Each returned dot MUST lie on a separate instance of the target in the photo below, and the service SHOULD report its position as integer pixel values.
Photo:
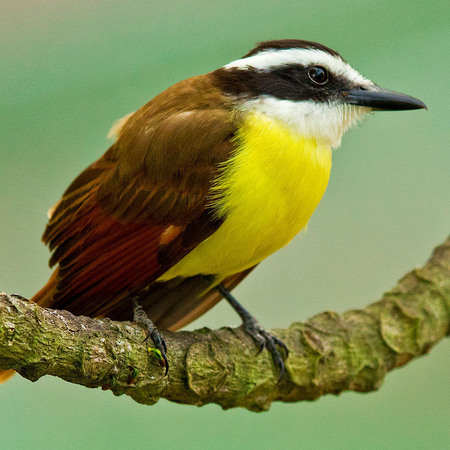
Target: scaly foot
(265, 339)
(152, 332)
(257, 332)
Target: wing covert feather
(165, 172)
(122, 222)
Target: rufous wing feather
(142, 206)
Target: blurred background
(69, 69)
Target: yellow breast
(267, 192)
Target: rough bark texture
(330, 353)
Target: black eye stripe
(289, 82)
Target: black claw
(262, 344)
(282, 371)
(258, 334)
(276, 356)
(151, 332)
(160, 344)
(281, 344)
(166, 363)
(269, 341)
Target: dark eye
(318, 75)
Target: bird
(201, 184)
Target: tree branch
(330, 353)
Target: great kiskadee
(204, 182)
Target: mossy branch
(330, 353)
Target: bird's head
(307, 87)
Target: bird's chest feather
(267, 192)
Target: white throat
(324, 122)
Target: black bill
(382, 100)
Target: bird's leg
(257, 332)
(140, 317)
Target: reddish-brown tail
(5, 375)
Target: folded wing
(142, 206)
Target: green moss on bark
(330, 353)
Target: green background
(69, 69)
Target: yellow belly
(267, 192)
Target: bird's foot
(257, 332)
(140, 317)
(266, 340)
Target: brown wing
(141, 207)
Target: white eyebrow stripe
(269, 59)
